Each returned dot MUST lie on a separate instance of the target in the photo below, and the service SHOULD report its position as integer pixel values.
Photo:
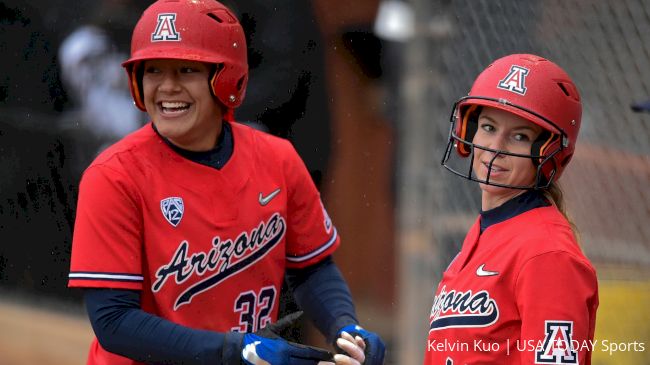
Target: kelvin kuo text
(608, 346)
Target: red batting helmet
(195, 30)
(533, 88)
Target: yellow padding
(623, 323)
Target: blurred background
(364, 90)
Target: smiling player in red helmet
(187, 228)
(520, 291)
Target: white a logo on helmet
(172, 209)
(515, 80)
(166, 28)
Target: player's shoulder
(132, 147)
(545, 230)
(544, 239)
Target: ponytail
(555, 195)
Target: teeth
(494, 168)
(174, 105)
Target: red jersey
(522, 292)
(207, 248)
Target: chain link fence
(605, 47)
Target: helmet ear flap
(135, 72)
(545, 143)
(467, 129)
(214, 74)
(228, 84)
(540, 145)
(228, 93)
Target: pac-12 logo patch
(166, 28)
(515, 80)
(172, 209)
(557, 347)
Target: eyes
(518, 135)
(181, 70)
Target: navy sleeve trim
(89, 275)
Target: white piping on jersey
(313, 254)
(90, 275)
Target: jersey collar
(522, 203)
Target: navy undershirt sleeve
(321, 292)
(123, 328)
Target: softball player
(520, 291)
(186, 228)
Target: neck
(200, 143)
(195, 142)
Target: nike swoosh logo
(264, 200)
(482, 272)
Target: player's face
(177, 97)
(501, 130)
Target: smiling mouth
(494, 169)
(175, 107)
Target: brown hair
(556, 196)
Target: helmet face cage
(545, 162)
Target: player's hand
(355, 339)
(266, 347)
(354, 347)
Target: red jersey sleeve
(557, 297)
(311, 236)
(106, 245)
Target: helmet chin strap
(230, 115)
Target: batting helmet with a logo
(195, 30)
(530, 87)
